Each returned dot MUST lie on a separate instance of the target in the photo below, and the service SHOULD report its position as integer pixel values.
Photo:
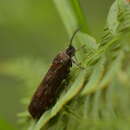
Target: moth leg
(77, 64)
(76, 59)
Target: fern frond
(97, 97)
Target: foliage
(96, 97)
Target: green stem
(80, 15)
(71, 15)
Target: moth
(47, 92)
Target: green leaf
(124, 16)
(112, 20)
(114, 67)
(94, 78)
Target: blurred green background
(33, 29)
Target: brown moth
(46, 94)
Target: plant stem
(71, 15)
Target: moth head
(70, 51)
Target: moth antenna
(71, 40)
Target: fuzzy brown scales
(48, 91)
